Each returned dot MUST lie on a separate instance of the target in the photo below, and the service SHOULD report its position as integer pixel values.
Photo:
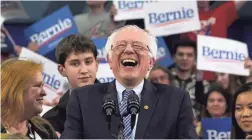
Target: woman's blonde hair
(15, 74)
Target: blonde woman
(21, 100)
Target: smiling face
(130, 58)
(80, 69)
(243, 111)
(185, 58)
(216, 104)
(33, 95)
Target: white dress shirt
(138, 89)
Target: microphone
(133, 108)
(108, 108)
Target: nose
(215, 103)
(184, 57)
(83, 69)
(129, 49)
(43, 93)
(246, 112)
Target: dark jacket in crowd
(57, 115)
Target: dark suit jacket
(169, 114)
(57, 115)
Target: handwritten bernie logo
(52, 32)
(218, 55)
(171, 17)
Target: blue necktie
(127, 132)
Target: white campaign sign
(221, 55)
(171, 17)
(130, 9)
(54, 83)
(104, 73)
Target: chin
(129, 77)
(247, 130)
(83, 84)
(39, 109)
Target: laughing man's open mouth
(129, 62)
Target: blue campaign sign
(48, 32)
(219, 128)
(7, 42)
(100, 45)
(163, 54)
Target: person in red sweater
(215, 22)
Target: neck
(218, 116)
(96, 9)
(184, 75)
(18, 127)
(130, 84)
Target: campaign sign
(105, 74)
(7, 42)
(171, 17)
(216, 128)
(221, 55)
(163, 54)
(54, 83)
(48, 32)
(130, 9)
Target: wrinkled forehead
(132, 34)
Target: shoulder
(80, 16)
(38, 121)
(225, 6)
(94, 89)
(170, 94)
(169, 90)
(43, 127)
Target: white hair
(152, 41)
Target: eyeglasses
(135, 45)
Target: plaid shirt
(189, 86)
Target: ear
(109, 62)
(61, 70)
(151, 63)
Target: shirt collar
(120, 88)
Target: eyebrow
(39, 83)
(89, 57)
(247, 104)
(76, 60)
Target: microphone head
(108, 106)
(133, 104)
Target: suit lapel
(149, 98)
(114, 120)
